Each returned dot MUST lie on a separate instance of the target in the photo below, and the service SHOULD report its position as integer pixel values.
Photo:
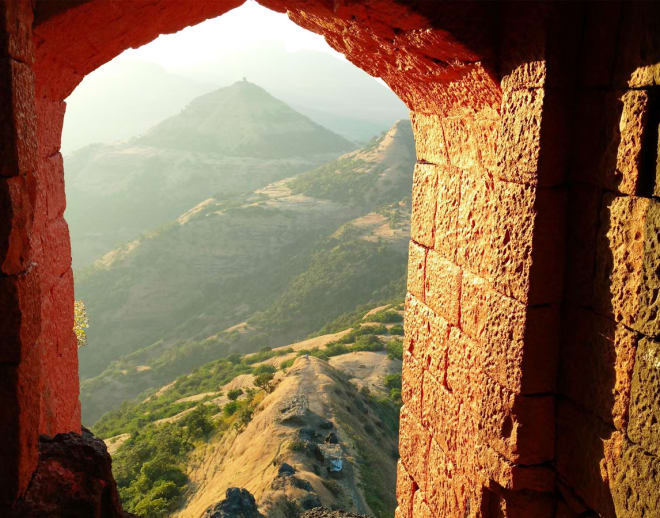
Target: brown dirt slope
(282, 456)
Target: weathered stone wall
(530, 378)
(608, 436)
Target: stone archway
(486, 427)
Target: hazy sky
(245, 26)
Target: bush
(234, 394)
(393, 381)
(395, 350)
(386, 316)
(368, 343)
(396, 330)
(264, 369)
(230, 408)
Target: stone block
(405, 489)
(518, 345)
(644, 426)
(416, 269)
(519, 142)
(462, 144)
(520, 428)
(435, 359)
(417, 328)
(442, 286)
(475, 223)
(16, 205)
(411, 385)
(446, 211)
(638, 57)
(16, 20)
(584, 202)
(518, 504)
(627, 283)
(414, 442)
(597, 359)
(429, 138)
(20, 319)
(18, 129)
(487, 129)
(446, 484)
(420, 507)
(50, 118)
(583, 442)
(635, 481)
(424, 196)
(610, 130)
(511, 240)
(440, 413)
(53, 253)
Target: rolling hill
(237, 273)
(225, 143)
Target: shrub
(264, 369)
(386, 316)
(368, 343)
(395, 350)
(233, 394)
(396, 330)
(393, 381)
(263, 381)
(230, 408)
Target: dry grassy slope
(251, 458)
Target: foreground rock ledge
(73, 479)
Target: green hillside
(155, 439)
(240, 272)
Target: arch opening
(492, 88)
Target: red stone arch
(490, 87)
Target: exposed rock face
(73, 480)
(239, 503)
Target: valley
(280, 260)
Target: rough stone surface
(73, 479)
(644, 426)
(598, 356)
(627, 284)
(425, 193)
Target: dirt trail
(251, 458)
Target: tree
(263, 381)
(80, 322)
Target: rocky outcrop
(238, 503)
(73, 479)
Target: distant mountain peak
(243, 119)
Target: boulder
(238, 503)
